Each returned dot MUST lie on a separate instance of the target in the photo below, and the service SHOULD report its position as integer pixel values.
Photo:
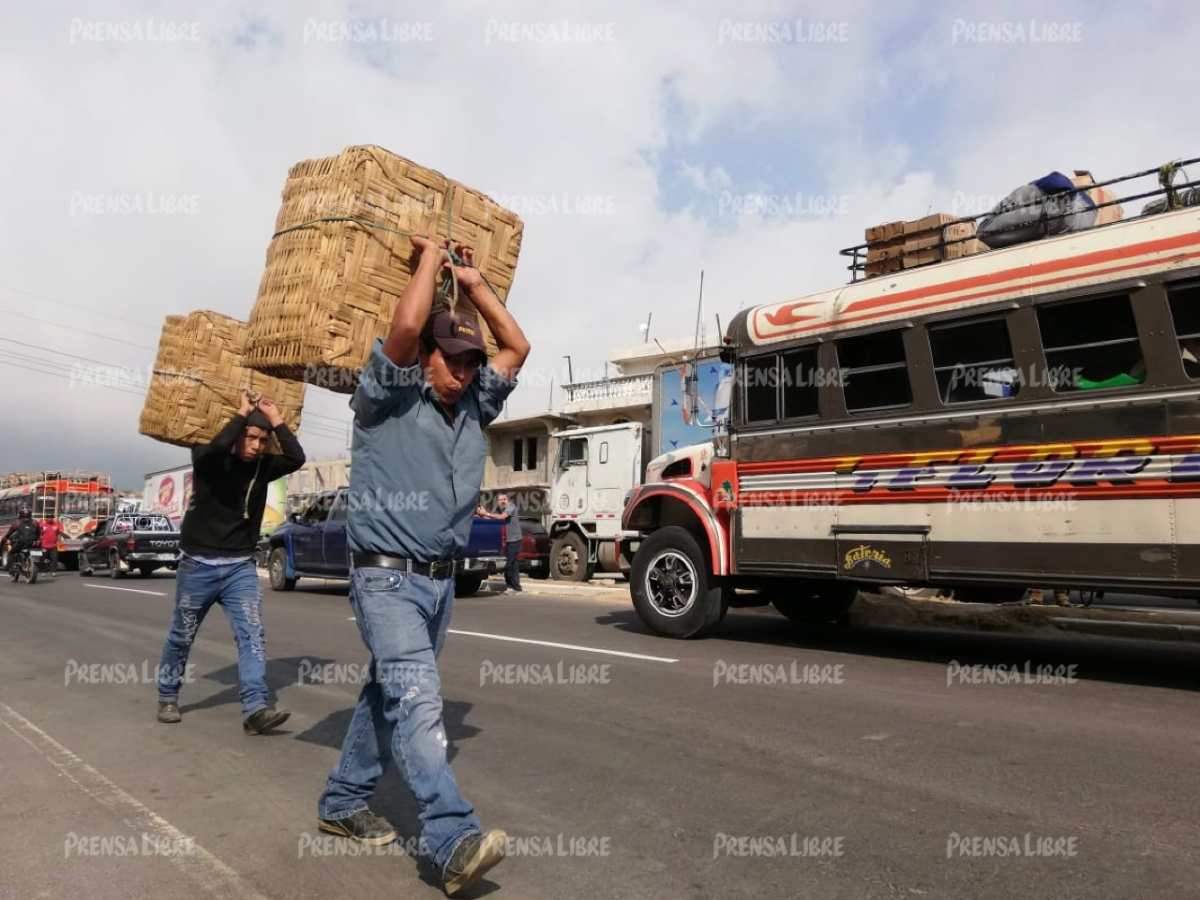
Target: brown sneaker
(1062, 598)
(264, 720)
(168, 713)
(1035, 598)
(474, 856)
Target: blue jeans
(236, 588)
(512, 567)
(403, 620)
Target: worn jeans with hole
(403, 620)
(235, 586)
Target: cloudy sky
(146, 145)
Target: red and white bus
(1027, 416)
(77, 501)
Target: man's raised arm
(514, 346)
(412, 309)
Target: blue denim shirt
(415, 473)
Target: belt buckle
(442, 568)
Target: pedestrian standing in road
(509, 514)
(50, 532)
(423, 399)
(218, 537)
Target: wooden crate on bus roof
(330, 286)
(198, 376)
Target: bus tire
(816, 602)
(673, 591)
(569, 558)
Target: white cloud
(898, 119)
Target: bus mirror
(728, 354)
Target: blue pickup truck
(312, 544)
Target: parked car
(312, 544)
(124, 544)
(534, 555)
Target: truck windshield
(573, 452)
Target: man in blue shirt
(509, 514)
(422, 402)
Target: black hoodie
(229, 495)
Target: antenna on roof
(699, 310)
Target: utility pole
(570, 374)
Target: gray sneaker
(363, 826)
(168, 713)
(474, 856)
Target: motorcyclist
(23, 534)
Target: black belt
(442, 568)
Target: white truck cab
(595, 470)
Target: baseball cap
(456, 332)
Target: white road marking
(106, 587)
(210, 873)
(517, 640)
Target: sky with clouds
(147, 143)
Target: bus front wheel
(673, 591)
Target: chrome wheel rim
(671, 583)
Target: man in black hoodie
(217, 539)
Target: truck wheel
(466, 585)
(114, 564)
(278, 571)
(815, 602)
(673, 591)
(569, 558)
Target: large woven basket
(340, 259)
(198, 377)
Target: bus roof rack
(1172, 195)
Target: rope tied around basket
(255, 396)
(447, 293)
(447, 290)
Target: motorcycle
(27, 563)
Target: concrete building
(521, 454)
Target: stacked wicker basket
(336, 265)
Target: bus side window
(1185, 312)
(1091, 344)
(762, 388)
(874, 373)
(799, 375)
(973, 360)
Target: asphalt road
(761, 763)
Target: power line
(104, 337)
(112, 365)
(90, 309)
